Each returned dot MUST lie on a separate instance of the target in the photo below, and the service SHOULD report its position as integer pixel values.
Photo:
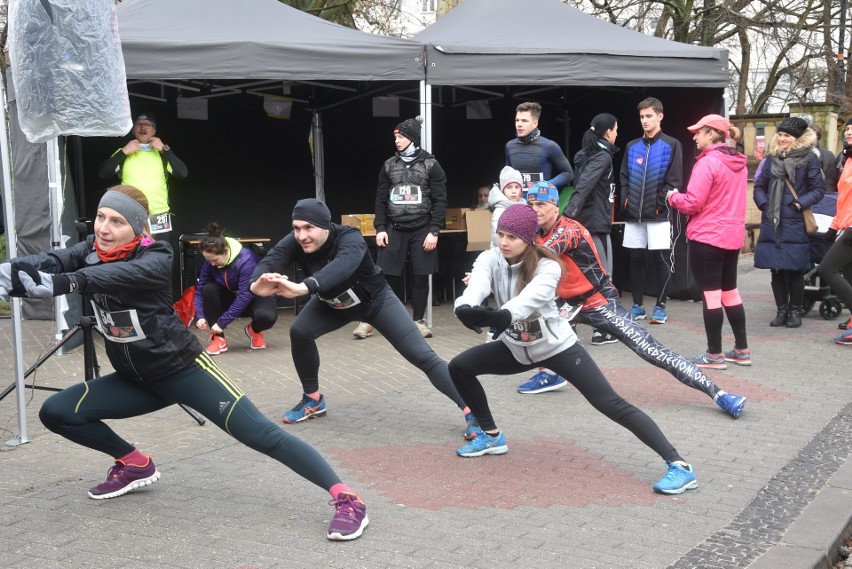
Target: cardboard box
(361, 221)
(478, 223)
(456, 218)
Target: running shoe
(255, 338)
(122, 478)
(350, 518)
(306, 409)
(710, 361)
(678, 478)
(218, 345)
(845, 325)
(484, 444)
(601, 338)
(423, 329)
(731, 403)
(541, 382)
(658, 316)
(845, 339)
(473, 428)
(637, 312)
(363, 330)
(739, 357)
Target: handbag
(811, 225)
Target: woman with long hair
(158, 362)
(523, 279)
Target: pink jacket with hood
(715, 198)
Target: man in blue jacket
(653, 165)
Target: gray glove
(6, 276)
(44, 285)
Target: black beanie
(410, 129)
(794, 126)
(313, 211)
(848, 122)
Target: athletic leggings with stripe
(612, 318)
(77, 413)
(574, 364)
(715, 273)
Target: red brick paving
(565, 474)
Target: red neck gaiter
(118, 253)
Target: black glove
(830, 235)
(500, 320)
(36, 284)
(469, 317)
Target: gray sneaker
(363, 330)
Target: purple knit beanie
(521, 221)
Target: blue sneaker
(306, 409)
(473, 428)
(541, 382)
(677, 479)
(659, 315)
(637, 312)
(731, 403)
(484, 444)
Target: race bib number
(344, 300)
(120, 326)
(160, 223)
(406, 194)
(527, 332)
(531, 179)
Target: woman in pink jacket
(715, 201)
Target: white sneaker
(424, 330)
(363, 330)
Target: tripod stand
(90, 363)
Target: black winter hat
(848, 122)
(410, 129)
(313, 211)
(794, 126)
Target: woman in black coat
(783, 244)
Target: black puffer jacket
(137, 287)
(594, 183)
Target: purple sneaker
(122, 478)
(350, 518)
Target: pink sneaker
(218, 345)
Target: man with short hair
(346, 287)
(585, 287)
(653, 165)
(537, 158)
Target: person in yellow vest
(146, 162)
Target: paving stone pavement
(574, 491)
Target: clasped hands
(275, 284)
(477, 317)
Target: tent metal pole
(426, 138)
(54, 184)
(12, 251)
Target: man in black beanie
(346, 287)
(411, 209)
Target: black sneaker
(601, 338)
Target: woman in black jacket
(157, 361)
(594, 193)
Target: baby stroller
(816, 290)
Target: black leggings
(612, 318)
(262, 310)
(836, 269)
(392, 322)
(575, 365)
(77, 413)
(715, 273)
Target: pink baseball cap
(717, 122)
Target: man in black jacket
(346, 287)
(653, 165)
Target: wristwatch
(435, 233)
(166, 148)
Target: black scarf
(530, 138)
(784, 168)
